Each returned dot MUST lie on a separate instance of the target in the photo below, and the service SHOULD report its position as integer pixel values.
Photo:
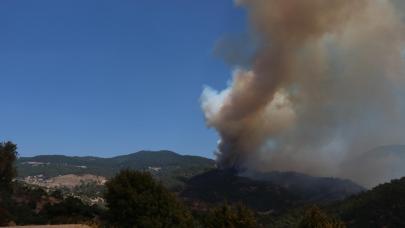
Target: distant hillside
(266, 192)
(398, 150)
(387, 163)
(169, 167)
(382, 206)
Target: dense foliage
(383, 206)
(23, 204)
(227, 216)
(135, 199)
(8, 155)
(32, 205)
(316, 218)
(71, 210)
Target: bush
(135, 199)
(70, 210)
(5, 217)
(316, 218)
(226, 216)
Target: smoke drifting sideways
(325, 86)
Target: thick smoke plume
(325, 86)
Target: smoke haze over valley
(324, 88)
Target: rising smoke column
(324, 87)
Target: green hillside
(383, 206)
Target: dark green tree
(70, 210)
(316, 218)
(135, 199)
(5, 217)
(227, 216)
(8, 156)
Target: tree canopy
(316, 218)
(135, 199)
(227, 216)
(8, 156)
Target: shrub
(226, 216)
(135, 199)
(316, 218)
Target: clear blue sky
(94, 77)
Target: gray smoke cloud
(325, 86)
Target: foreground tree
(135, 199)
(226, 216)
(316, 218)
(8, 156)
(70, 210)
